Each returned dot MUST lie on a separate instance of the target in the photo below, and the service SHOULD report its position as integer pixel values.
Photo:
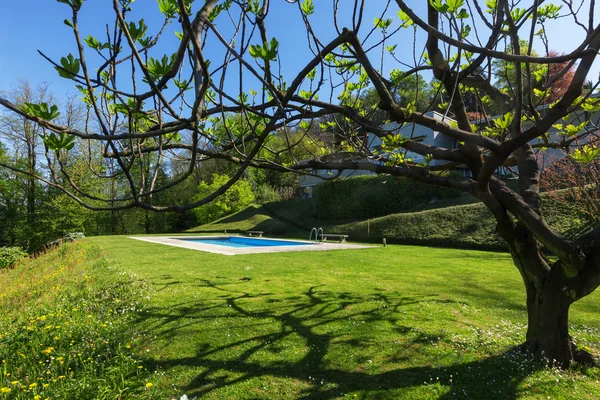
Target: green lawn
(383, 323)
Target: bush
(372, 196)
(10, 255)
(266, 194)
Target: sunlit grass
(386, 323)
(65, 328)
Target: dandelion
(37, 397)
(32, 385)
(5, 390)
(149, 384)
(48, 350)
(14, 383)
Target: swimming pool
(233, 245)
(241, 242)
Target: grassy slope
(386, 323)
(251, 218)
(458, 223)
(65, 329)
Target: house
(409, 130)
(428, 136)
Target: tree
(171, 98)
(235, 199)
(576, 184)
(23, 136)
(543, 83)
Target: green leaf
(504, 122)
(158, 68)
(454, 5)
(41, 110)
(267, 52)
(383, 23)
(462, 14)
(406, 21)
(492, 6)
(57, 142)
(137, 32)
(586, 154)
(307, 7)
(168, 8)
(70, 67)
(438, 6)
(591, 105)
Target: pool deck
(180, 241)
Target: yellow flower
(32, 385)
(5, 390)
(14, 383)
(149, 384)
(48, 350)
(37, 397)
(61, 377)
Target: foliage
(265, 194)
(236, 198)
(355, 197)
(10, 255)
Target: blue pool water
(246, 242)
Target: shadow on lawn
(305, 316)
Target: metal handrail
(320, 230)
(316, 234)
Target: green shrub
(373, 196)
(10, 255)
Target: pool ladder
(316, 231)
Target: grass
(65, 328)
(386, 323)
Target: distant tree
(235, 199)
(575, 184)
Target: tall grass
(64, 331)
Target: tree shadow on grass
(317, 318)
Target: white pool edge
(180, 241)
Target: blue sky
(26, 26)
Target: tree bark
(548, 324)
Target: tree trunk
(547, 301)
(548, 324)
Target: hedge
(372, 196)
(469, 226)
